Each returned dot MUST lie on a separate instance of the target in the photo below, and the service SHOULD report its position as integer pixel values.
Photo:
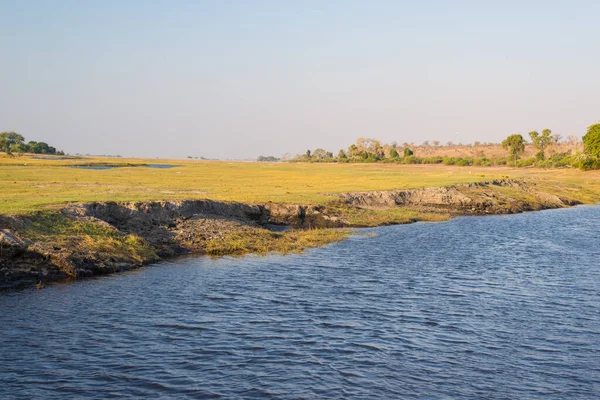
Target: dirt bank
(100, 238)
(493, 197)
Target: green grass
(376, 217)
(102, 240)
(29, 184)
(262, 241)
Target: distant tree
(573, 142)
(540, 142)
(556, 138)
(425, 143)
(515, 145)
(450, 143)
(342, 154)
(477, 144)
(319, 154)
(40, 148)
(591, 141)
(436, 143)
(10, 139)
(408, 152)
(267, 159)
(371, 146)
(394, 153)
(20, 148)
(329, 154)
(394, 144)
(353, 151)
(308, 155)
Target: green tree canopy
(591, 141)
(540, 142)
(408, 152)
(515, 145)
(10, 139)
(394, 153)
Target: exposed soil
(181, 227)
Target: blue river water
(498, 307)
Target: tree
(394, 153)
(436, 143)
(591, 141)
(371, 146)
(540, 142)
(342, 154)
(307, 153)
(353, 150)
(515, 145)
(556, 138)
(408, 152)
(573, 142)
(319, 154)
(40, 148)
(10, 139)
(20, 148)
(267, 159)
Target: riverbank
(88, 239)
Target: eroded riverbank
(100, 238)
(501, 307)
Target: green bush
(527, 162)
(411, 160)
(589, 163)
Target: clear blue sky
(237, 79)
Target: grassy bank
(31, 184)
(41, 243)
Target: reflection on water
(492, 307)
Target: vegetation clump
(100, 239)
(591, 147)
(267, 159)
(263, 241)
(546, 150)
(515, 144)
(12, 142)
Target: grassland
(32, 184)
(41, 244)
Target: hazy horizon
(239, 79)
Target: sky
(237, 79)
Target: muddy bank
(493, 197)
(101, 238)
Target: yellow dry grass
(29, 184)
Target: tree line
(12, 142)
(369, 150)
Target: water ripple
(498, 307)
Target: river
(497, 307)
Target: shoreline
(92, 239)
